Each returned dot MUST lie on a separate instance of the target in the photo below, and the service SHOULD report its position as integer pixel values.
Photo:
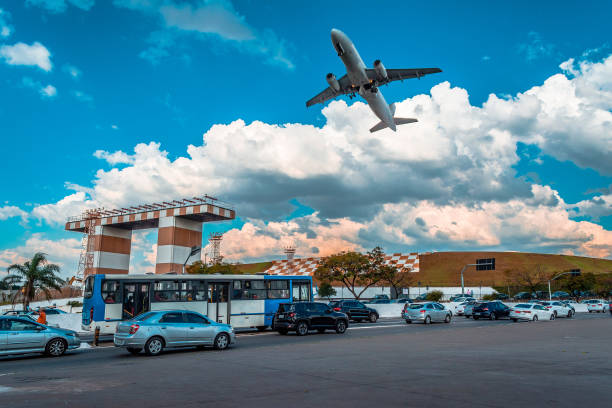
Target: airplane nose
(335, 34)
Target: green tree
(34, 275)
(576, 284)
(326, 290)
(200, 268)
(352, 269)
(532, 280)
(397, 278)
(434, 295)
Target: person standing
(42, 316)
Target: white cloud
(35, 55)
(63, 252)
(117, 157)
(73, 71)
(60, 6)
(536, 47)
(45, 91)
(82, 96)
(9, 211)
(447, 181)
(5, 28)
(218, 18)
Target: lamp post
(194, 250)
(573, 273)
(463, 270)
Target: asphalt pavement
(566, 362)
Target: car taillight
(337, 309)
(599, 304)
(485, 309)
(526, 311)
(291, 315)
(134, 328)
(422, 311)
(405, 307)
(91, 315)
(548, 307)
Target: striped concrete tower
(111, 250)
(175, 238)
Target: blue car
(20, 335)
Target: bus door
(135, 299)
(218, 302)
(300, 291)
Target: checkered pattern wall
(307, 266)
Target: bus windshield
(89, 284)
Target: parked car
(560, 295)
(597, 305)
(422, 297)
(539, 294)
(426, 312)
(460, 308)
(304, 316)
(355, 310)
(403, 300)
(52, 311)
(501, 296)
(568, 304)
(21, 313)
(522, 296)
(469, 309)
(22, 335)
(558, 308)
(380, 297)
(158, 330)
(490, 310)
(380, 301)
(530, 311)
(462, 299)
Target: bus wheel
(154, 346)
(133, 350)
(261, 328)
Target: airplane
(365, 82)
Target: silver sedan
(21, 335)
(155, 331)
(427, 313)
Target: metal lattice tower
(215, 239)
(289, 252)
(87, 243)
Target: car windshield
(286, 307)
(143, 317)
(523, 306)
(416, 306)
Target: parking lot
(564, 362)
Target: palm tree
(36, 274)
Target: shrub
(434, 296)
(74, 303)
(490, 297)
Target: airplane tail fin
(398, 121)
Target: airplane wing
(329, 93)
(400, 74)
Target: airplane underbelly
(379, 106)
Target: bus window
(166, 292)
(278, 289)
(89, 284)
(237, 290)
(111, 291)
(199, 290)
(255, 289)
(186, 291)
(301, 291)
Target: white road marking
(377, 327)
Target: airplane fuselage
(356, 71)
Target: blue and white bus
(244, 301)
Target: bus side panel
(199, 307)
(248, 313)
(113, 311)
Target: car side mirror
(40, 328)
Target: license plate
(281, 316)
(119, 342)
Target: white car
(530, 311)
(558, 308)
(597, 305)
(460, 308)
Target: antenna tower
(87, 243)
(215, 239)
(289, 252)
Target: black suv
(304, 316)
(490, 310)
(355, 310)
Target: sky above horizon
(125, 102)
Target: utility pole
(194, 250)
(573, 273)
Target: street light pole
(194, 250)
(573, 273)
(463, 270)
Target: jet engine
(380, 69)
(333, 82)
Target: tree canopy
(200, 268)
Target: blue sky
(128, 72)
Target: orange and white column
(175, 237)
(112, 248)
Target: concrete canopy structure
(179, 223)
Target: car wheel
(476, 317)
(515, 320)
(427, 320)
(283, 331)
(590, 311)
(133, 350)
(492, 316)
(56, 347)
(553, 316)
(261, 328)
(340, 326)
(321, 331)
(154, 346)
(535, 318)
(222, 341)
(373, 317)
(467, 317)
(447, 319)
(555, 313)
(301, 329)
(570, 314)
(408, 321)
